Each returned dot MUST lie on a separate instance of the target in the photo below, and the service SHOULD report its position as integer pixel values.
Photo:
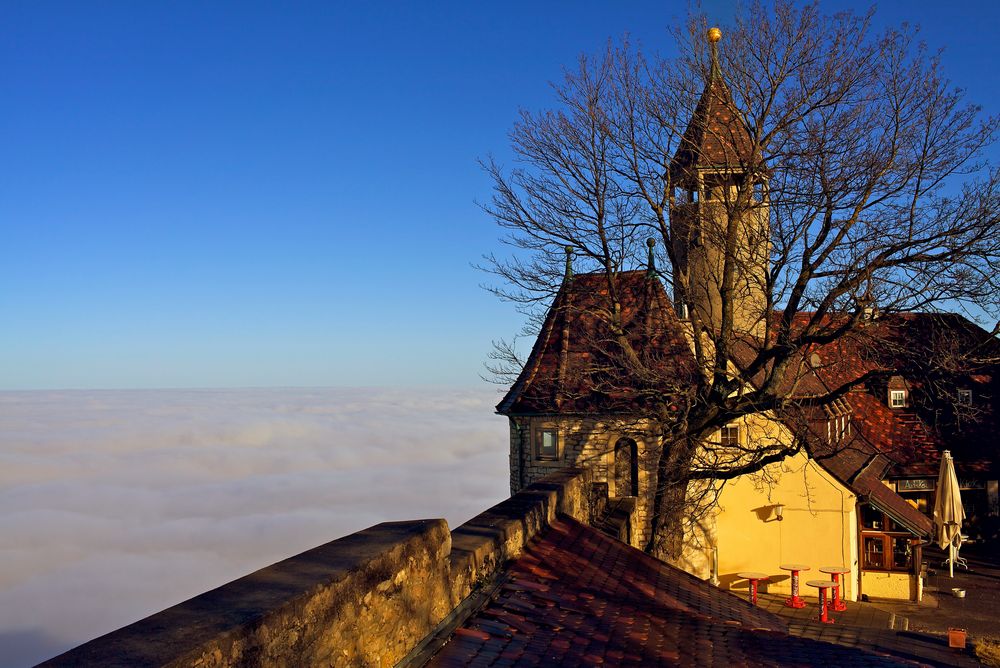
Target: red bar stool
(836, 571)
(823, 585)
(795, 601)
(754, 577)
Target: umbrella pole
(951, 560)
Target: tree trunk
(669, 500)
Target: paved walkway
(979, 611)
(916, 631)
(868, 626)
(862, 615)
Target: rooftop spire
(714, 35)
(651, 268)
(569, 263)
(717, 137)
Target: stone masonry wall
(585, 443)
(364, 600)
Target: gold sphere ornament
(714, 35)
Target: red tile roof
(903, 351)
(573, 367)
(572, 370)
(578, 597)
(930, 355)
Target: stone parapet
(364, 600)
(325, 606)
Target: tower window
(965, 397)
(716, 188)
(547, 443)
(729, 436)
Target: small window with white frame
(965, 397)
(897, 398)
(547, 443)
(729, 436)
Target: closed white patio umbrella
(948, 510)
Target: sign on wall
(916, 485)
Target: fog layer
(116, 504)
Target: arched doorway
(626, 467)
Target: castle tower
(719, 211)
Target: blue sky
(283, 194)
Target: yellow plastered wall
(700, 536)
(819, 525)
(890, 585)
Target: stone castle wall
(590, 444)
(368, 599)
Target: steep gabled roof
(860, 467)
(576, 366)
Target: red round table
(754, 577)
(836, 571)
(823, 585)
(795, 601)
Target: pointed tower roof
(717, 136)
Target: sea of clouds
(117, 504)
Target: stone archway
(626, 467)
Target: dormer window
(838, 429)
(838, 425)
(897, 398)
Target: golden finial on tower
(714, 35)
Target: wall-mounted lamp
(779, 511)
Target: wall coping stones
(365, 599)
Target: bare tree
(860, 163)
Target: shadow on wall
(766, 513)
(21, 648)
